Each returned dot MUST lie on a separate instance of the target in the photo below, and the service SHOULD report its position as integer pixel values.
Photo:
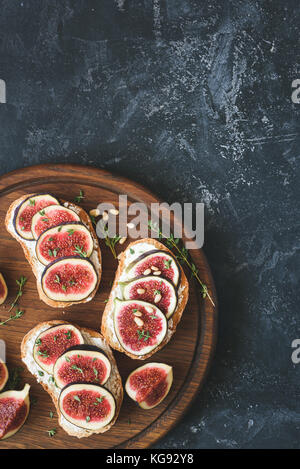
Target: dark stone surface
(192, 99)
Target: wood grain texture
(189, 352)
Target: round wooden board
(190, 351)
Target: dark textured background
(192, 99)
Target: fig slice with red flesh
(69, 279)
(148, 385)
(82, 363)
(66, 240)
(3, 374)
(140, 327)
(87, 405)
(153, 290)
(3, 289)
(51, 216)
(27, 209)
(14, 409)
(53, 342)
(155, 262)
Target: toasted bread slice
(37, 267)
(114, 383)
(107, 327)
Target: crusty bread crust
(34, 262)
(117, 384)
(173, 321)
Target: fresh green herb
(41, 373)
(32, 202)
(98, 399)
(51, 414)
(131, 251)
(18, 314)
(59, 228)
(64, 288)
(87, 418)
(106, 301)
(153, 317)
(45, 220)
(67, 359)
(111, 242)
(43, 354)
(57, 279)
(75, 367)
(52, 432)
(167, 263)
(42, 212)
(182, 256)
(94, 359)
(72, 282)
(21, 282)
(134, 310)
(79, 250)
(68, 334)
(93, 219)
(38, 342)
(143, 335)
(53, 253)
(77, 398)
(157, 292)
(55, 338)
(79, 197)
(52, 380)
(70, 231)
(50, 239)
(95, 373)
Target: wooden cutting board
(190, 351)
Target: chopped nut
(122, 240)
(137, 313)
(157, 298)
(114, 211)
(140, 291)
(138, 322)
(95, 212)
(154, 268)
(147, 272)
(149, 309)
(157, 273)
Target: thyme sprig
(183, 256)
(111, 242)
(79, 197)
(18, 314)
(21, 282)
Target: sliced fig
(3, 290)
(14, 409)
(155, 262)
(51, 216)
(69, 279)
(153, 290)
(66, 240)
(82, 364)
(139, 326)
(87, 405)
(148, 385)
(3, 374)
(27, 209)
(53, 342)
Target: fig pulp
(3, 374)
(155, 262)
(152, 289)
(69, 279)
(139, 326)
(148, 385)
(83, 363)
(51, 343)
(62, 241)
(27, 209)
(3, 289)
(14, 409)
(87, 405)
(51, 216)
